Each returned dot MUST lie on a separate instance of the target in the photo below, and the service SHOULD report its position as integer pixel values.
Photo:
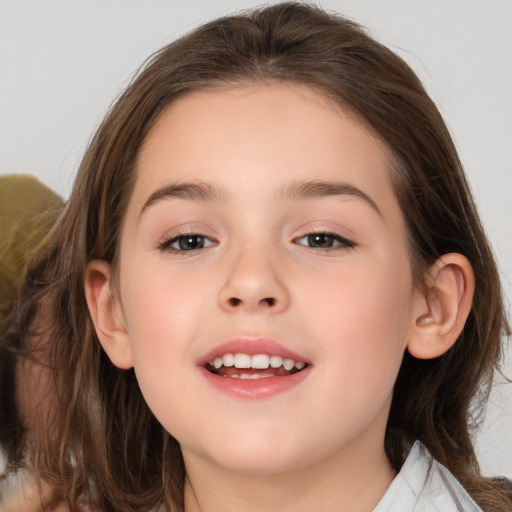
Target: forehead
(257, 137)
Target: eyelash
(166, 245)
(343, 243)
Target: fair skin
(324, 274)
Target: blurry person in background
(28, 210)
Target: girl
(270, 289)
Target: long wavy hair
(105, 447)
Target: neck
(354, 480)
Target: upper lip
(251, 346)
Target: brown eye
(192, 242)
(320, 240)
(324, 241)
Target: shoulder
(424, 485)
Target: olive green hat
(28, 209)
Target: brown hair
(102, 411)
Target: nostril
(268, 301)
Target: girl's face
(263, 223)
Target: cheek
(159, 303)
(159, 315)
(363, 317)
(159, 310)
(166, 312)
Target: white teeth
(242, 361)
(260, 361)
(276, 361)
(257, 361)
(288, 364)
(229, 359)
(253, 376)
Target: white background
(62, 62)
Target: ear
(107, 314)
(441, 311)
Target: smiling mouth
(258, 366)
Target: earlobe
(440, 312)
(106, 314)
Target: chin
(262, 463)
(257, 455)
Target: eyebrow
(196, 191)
(297, 190)
(313, 189)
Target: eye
(324, 241)
(188, 242)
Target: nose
(253, 284)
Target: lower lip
(264, 387)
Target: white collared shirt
(425, 485)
